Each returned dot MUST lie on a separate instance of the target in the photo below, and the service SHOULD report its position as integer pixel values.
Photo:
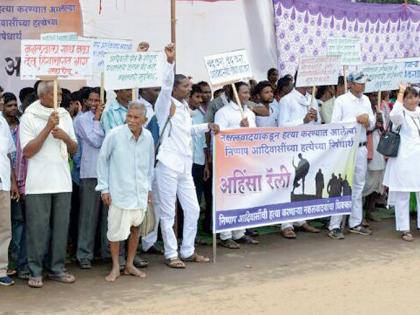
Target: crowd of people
(81, 178)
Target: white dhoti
(401, 201)
(120, 222)
(171, 184)
(359, 180)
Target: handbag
(149, 221)
(390, 142)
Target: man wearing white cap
(349, 107)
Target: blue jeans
(18, 243)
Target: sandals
(288, 233)
(175, 263)
(407, 236)
(63, 278)
(35, 282)
(230, 244)
(196, 258)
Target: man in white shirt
(298, 108)
(8, 187)
(233, 116)
(353, 106)
(173, 170)
(47, 138)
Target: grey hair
(137, 105)
(45, 87)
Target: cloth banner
(304, 26)
(28, 19)
(266, 176)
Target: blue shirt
(125, 168)
(153, 127)
(76, 158)
(113, 116)
(90, 136)
(198, 140)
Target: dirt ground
(311, 275)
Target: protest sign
(347, 48)
(228, 67)
(411, 68)
(383, 77)
(274, 175)
(318, 71)
(133, 70)
(103, 46)
(63, 59)
(66, 36)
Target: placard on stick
(71, 60)
(411, 68)
(318, 71)
(228, 67)
(383, 77)
(133, 70)
(347, 48)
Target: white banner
(66, 36)
(133, 70)
(318, 71)
(228, 67)
(70, 60)
(384, 77)
(266, 176)
(412, 68)
(347, 48)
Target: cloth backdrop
(303, 27)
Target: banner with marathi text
(265, 176)
(28, 19)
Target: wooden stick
(102, 95)
(345, 78)
(238, 101)
(173, 24)
(378, 106)
(133, 94)
(55, 94)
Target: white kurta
(402, 172)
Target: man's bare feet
(133, 271)
(113, 275)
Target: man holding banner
(233, 116)
(355, 106)
(297, 108)
(47, 138)
(173, 170)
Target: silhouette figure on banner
(319, 184)
(334, 186)
(301, 170)
(346, 188)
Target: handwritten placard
(411, 70)
(228, 67)
(318, 71)
(347, 48)
(133, 70)
(103, 46)
(383, 77)
(65, 59)
(66, 36)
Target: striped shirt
(113, 116)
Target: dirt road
(311, 275)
